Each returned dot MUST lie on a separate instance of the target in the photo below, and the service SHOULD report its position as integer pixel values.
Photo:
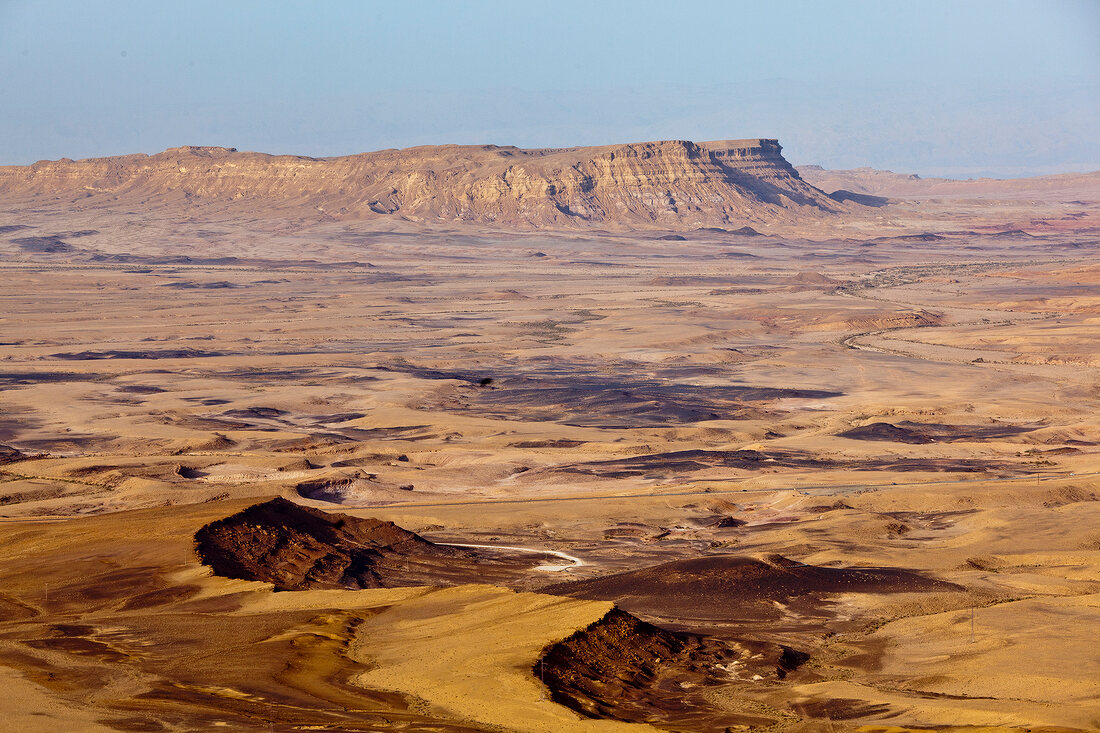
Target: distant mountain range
(875, 182)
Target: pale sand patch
(468, 652)
(1032, 663)
(1021, 651)
(572, 561)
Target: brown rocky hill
(296, 548)
(667, 184)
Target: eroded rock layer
(673, 183)
(298, 548)
(623, 668)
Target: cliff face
(658, 184)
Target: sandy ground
(467, 678)
(620, 399)
(28, 707)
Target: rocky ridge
(665, 184)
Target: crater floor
(858, 469)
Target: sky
(959, 88)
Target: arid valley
(659, 436)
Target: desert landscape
(653, 436)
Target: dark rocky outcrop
(623, 668)
(296, 548)
(11, 455)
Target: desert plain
(828, 469)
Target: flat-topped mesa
(753, 155)
(662, 184)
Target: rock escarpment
(666, 184)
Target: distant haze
(938, 88)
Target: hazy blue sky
(936, 87)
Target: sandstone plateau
(665, 184)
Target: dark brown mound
(13, 379)
(864, 199)
(49, 245)
(743, 231)
(822, 508)
(563, 443)
(299, 464)
(217, 442)
(263, 413)
(192, 285)
(338, 490)
(296, 548)
(922, 237)
(735, 587)
(13, 609)
(140, 389)
(623, 668)
(146, 354)
(187, 472)
(574, 394)
(918, 433)
(841, 708)
(684, 461)
(11, 455)
(885, 431)
(718, 521)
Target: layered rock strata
(666, 184)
